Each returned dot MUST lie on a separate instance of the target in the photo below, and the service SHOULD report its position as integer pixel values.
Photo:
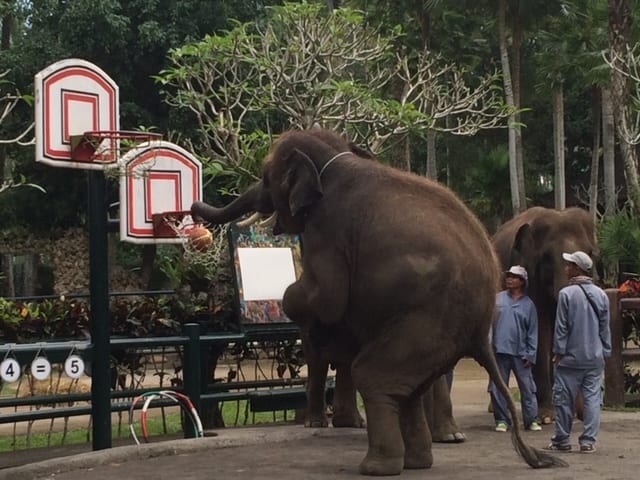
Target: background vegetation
(545, 71)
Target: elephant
(397, 261)
(536, 240)
(437, 400)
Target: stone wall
(68, 254)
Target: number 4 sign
(10, 370)
(74, 366)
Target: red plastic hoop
(106, 146)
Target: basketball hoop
(107, 146)
(179, 224)
(172, 224)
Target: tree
(623, 62)
(303, 68)
(9, 100)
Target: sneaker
(587, 448)
(502, 427)
(558, 448)
(534, 427)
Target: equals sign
(41, 368)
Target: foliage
(619, 240)
(64, 318)
(483, 183)
(631, 380)
(131, 41)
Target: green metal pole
(99, 289)
(191, 371)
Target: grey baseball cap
(581, 259)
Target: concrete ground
(294, 452)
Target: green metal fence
(282, 388)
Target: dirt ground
(293, 452)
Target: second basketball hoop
(107, 146)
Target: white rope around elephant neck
(331, 161)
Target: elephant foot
(316, 421)
(456, 437)
(378, 466)
(348, 420)
(546, 415)
(418, 460)
(446, 430)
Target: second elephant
(536, 240)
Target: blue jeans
(567, 383)
(526, 384)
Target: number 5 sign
(74, 366)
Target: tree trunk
(516, 204)
(560, 196)
(432, 170)
(7, 278)
(619, 37)
(608, 154)
(5, 43)
(515, 63)
(333, 4)
(148, 261)
(596, 108)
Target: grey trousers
(568, 382)
(526, 384)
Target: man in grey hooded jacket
(581, 342)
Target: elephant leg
(416, 434)
(317, 369)
(580, 406)
(387, 374)
(439, 412)
(345, 405)
(385, 455)
(542, 371)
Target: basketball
(200, 238)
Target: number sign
(10, 370)
(74, 366)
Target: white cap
(581, 259)
(519, 272)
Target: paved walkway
(293, 452)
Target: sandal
(558, 448)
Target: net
(180, 224)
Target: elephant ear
(303, 182)
(523, 244)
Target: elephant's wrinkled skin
(437, 400)
(398, 261)
(536, 240)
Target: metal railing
(195, 384)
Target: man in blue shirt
(515, 341)
(581, 342)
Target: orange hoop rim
(171, 224)
(84, 148)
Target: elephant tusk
(249, 221)
(269, 222)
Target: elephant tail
(483, 354)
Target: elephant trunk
(245, 203)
